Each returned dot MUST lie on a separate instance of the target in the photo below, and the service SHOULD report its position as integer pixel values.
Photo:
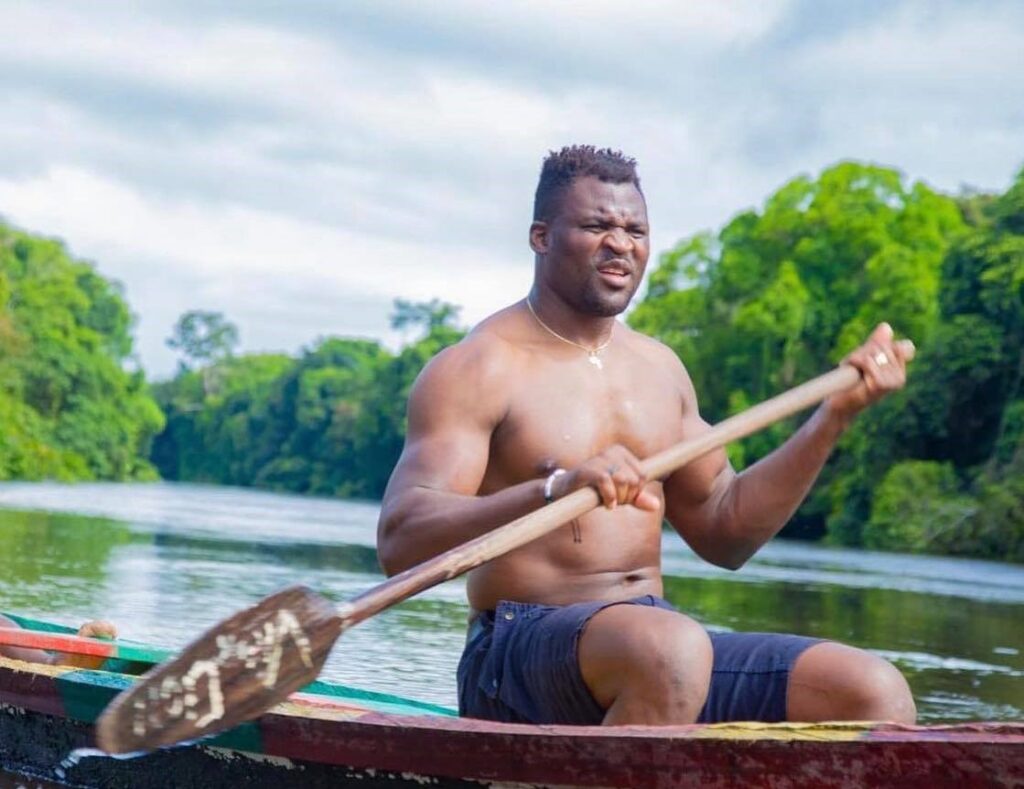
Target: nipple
(546, 466)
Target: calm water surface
(166, 561)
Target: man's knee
(882, 693)
(835, 682)
(655, 661)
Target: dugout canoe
(336, 736)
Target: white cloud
(242, 258)
(926, 46)
(275, 161)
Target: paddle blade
(233, 672)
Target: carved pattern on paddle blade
(236, 670)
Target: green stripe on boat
(83, 701)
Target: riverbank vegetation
(329, 422)
(69, 408)
(777, 296)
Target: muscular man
(553, 393)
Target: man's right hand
(617, 477)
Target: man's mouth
(615, 272)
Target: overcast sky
(298, 166)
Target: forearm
(756, 503)
(420, 522)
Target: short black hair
(562, 167)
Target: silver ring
(612, 469)
(881, 359)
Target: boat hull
(314, 740)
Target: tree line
(69, 408)
(330, 422)
(779, 295)
(776, 296)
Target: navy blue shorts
(520, 665)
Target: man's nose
(618, 240)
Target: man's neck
(568, 323)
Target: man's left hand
(883, 366)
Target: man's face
(595, 249)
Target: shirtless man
(552, 394)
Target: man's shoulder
(487, 353)
(468, 380)
(652, 348)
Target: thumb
(647, 501)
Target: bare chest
(561, 414)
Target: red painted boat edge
(322, 731)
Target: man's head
(562, 167)
(590, 231)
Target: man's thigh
(750, 676)
(523, 666)
(646, 665)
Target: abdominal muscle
(617, 557)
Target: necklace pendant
(595, 360)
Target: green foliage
(780, 295)
(433, 314)
(997, 529)
(331, 422)
(203, 336)
(68, 408)
(921, 506)
(916, 507)
(209, 430)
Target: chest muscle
(563, 418)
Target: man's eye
(638, 232)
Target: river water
(165, 561)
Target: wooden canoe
(331, 735)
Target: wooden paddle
(254, 659)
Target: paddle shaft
(519, 532)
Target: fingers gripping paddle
(253, 660)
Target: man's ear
(539, 237)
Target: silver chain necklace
(593, 354)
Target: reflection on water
(166, 561)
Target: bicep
(447, 443)
(453, 460)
